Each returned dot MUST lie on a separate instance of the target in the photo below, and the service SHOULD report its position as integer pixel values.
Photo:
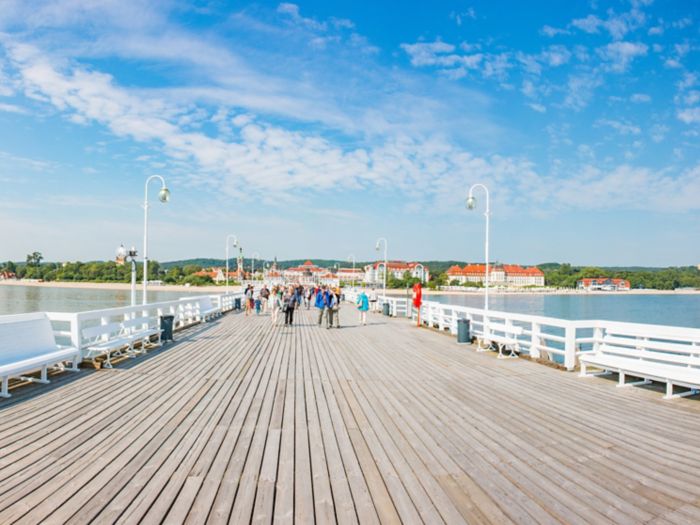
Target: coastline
(393, 292)
(120, 286)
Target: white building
(499, 275)
(374, 273)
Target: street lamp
(235, 243)
(471, 204)
(129, 255)
(252, 268)
(376, 247)
(352, 258)
(164, 197)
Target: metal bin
(167, 323)
(463, 331)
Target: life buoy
(417, 295)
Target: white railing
(398, 306)
(68, 327)
(557, 340)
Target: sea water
(23, 299)
(664, 309)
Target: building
(6, 275)
(350, 275)
(307, 273)
(218, 275)
(605, 284)
(374, 273)
(499, 275)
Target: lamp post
(252, 262)
(129, 255)
(376, 247)
(164, 197)
(471, 204)
(235, 243)
(352, 258)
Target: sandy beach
(426, 292)
(120, 286)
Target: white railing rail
(68, 327)
(558, 340)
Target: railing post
(570, 347)
(597, 338)
(535, 341)
(75, 331)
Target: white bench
(207, 310)
(503, 336)
(663, 358)
(115, 338)
(27, 344)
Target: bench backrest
(505, 329)
(138, 323)
(102, 331)
(666, 349)
(24, 336)
(205, 303)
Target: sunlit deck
(240, 421)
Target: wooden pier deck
(243, 422)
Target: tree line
(556, 275)
(565, 276)
(102, 271)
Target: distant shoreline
(120, 286)
(394, 292)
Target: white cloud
(538, 107)
(589, 24)
(580, 89)
(620, 55)
(460, 17)
(689, 115)
(556, 56)
(553, 31)
(617, 25)
(640, 98)
(12, 108)
(624, 128)
(292, 11)
(659, 132)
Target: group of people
(286, 299)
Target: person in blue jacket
(321, 303)
(363, 306)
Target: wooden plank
(244, 421)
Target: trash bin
(386, 309)
(237, 303)
(463, 329)
(166, 325)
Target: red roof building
(605, 284)
(506, 274)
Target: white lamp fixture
(164, 197)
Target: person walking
(336, 310)
(362, 307)
(289, 304)
(332, 302)
(321, 303)
(264, 298)
(309, 295)
(275, 304)
(249, 302)
(373, 299)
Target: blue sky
(310, 129)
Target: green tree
(34, 259)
